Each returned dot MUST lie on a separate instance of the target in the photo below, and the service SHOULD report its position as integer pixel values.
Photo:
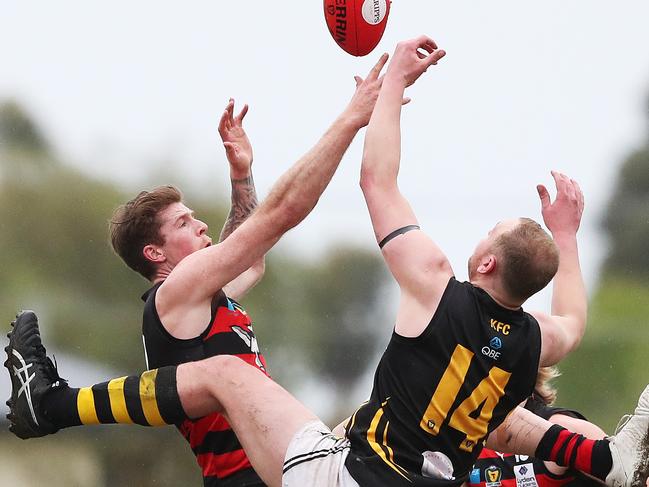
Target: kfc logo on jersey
(250, 340)
(499, 326)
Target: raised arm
(239, 153)
(202, 274)
(564, 329)
(243, 197)
(418, 265)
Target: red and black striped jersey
(217, 449)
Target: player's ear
(153, 253)
(487, 264)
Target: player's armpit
(239, 286)
(558, 337)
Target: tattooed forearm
(244, 201)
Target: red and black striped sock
(575, 451)
(150, 399)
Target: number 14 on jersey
(487, 394)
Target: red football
(357, 25)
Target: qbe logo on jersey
(525, 476)
(495, 344)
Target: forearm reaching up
(563, 331)
(418, 265)
(238, 150)
(569, 299)
(382, 149)
(243, 202)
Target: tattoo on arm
(244, 201)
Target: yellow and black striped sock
(150, 399)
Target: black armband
(396, 233)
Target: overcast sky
(130, 89)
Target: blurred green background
(316, 321)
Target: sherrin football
(357, 25)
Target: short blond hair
(529, 259)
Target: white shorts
(315, 457)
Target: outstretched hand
(361, 106)
(237, 146)
(413, 57)
(564, 214)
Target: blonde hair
(529, 259)
(544, 390)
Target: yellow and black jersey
(437, 396)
